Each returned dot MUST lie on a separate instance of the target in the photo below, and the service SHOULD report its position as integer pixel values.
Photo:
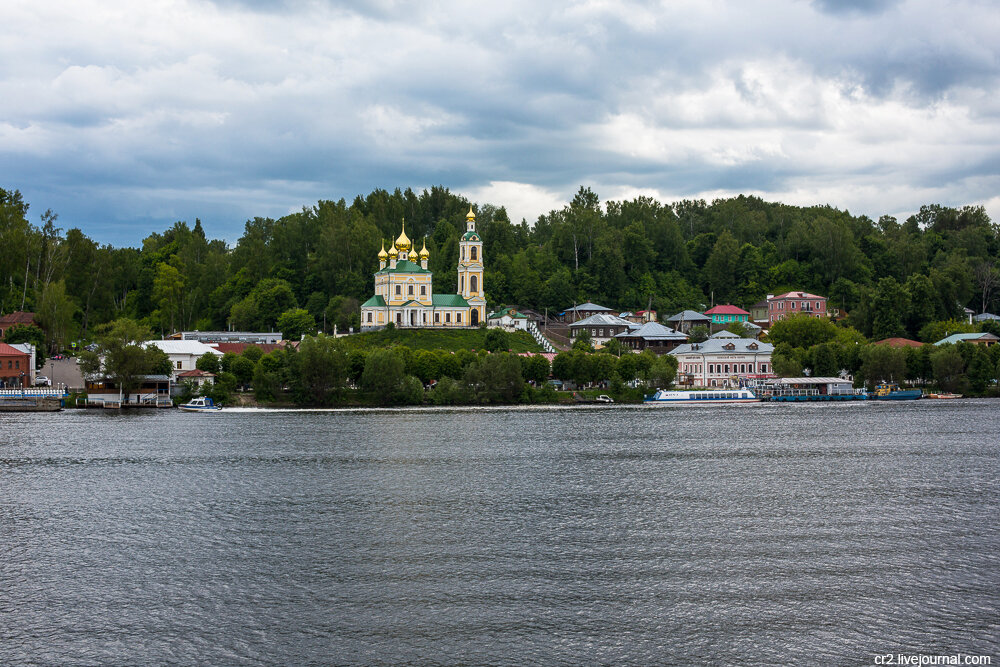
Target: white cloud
(522, 200)
(878, 109)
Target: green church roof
(470, 236)
(449, 301)
(404, 266)
(375, 302)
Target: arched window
(472, 253)
(473, 283)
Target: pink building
(794, 303)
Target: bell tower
(470, 269)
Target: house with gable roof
(722, 361)
(601, 327)
(652, 336)
(794, 303)
(507, 318)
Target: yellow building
(404, 291)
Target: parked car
(604, 398)
(42, 381)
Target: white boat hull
(713, 397)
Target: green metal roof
(507, 311)
(375, 302)
(404, 266)
(449, 301)
(471, 236)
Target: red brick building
(15, 367)
(794, 303)
(18, 317)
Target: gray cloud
(124, 120)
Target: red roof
(17, 317)
(900, 342)
(797, 295)
(726, 310)
(237, 348)
(196, 373)
(6, 349)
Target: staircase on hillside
(542, 340)
(558, 337)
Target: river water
(745, 534)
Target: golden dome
(424, 254)
(382, 254)
(470, 216)
(403, 243)
(413, 255)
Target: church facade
(404, 287)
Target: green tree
(496, 340)
(662, 372)
(881, 363)
(889, 305)
(55, 313)
(949, 367)
(242, 368)
(321, 370)
(296, 322)
(495, 378)
(208, 362)
(28, 333)
(383, 376)
(125, 359)
(802, 331)
(698, 334)
(168, 293)
(536, 369)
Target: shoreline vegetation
(308, 272)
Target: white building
(721, 360)
(508, 319)
(183, 354)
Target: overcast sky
(124, 117)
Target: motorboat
(200, 404)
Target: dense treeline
(310, 270)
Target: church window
(473, 282)
(458, 317)
(369, 317)
(423, 290)
(447, 318)
(399, 290)
(399, 318)
(472, 252)
(409, 290)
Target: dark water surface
(748, 534)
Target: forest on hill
(312, 269)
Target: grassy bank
(437, 339)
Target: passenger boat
(706, 396)
(888, 391)
(200, 404)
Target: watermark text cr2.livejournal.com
(919, 659)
